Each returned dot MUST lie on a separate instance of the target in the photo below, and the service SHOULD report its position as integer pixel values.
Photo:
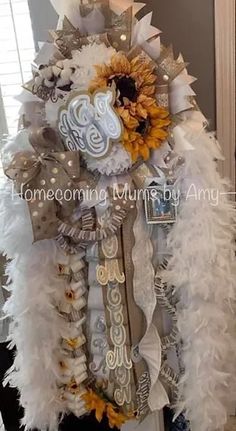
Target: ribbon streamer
(42, 178)
(118, 6)
(168, 67)
(144, 31)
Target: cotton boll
(56, 71)
(67, 63)
(62, 83)
(83, 62)
(60, 64)
(66, 75)
(46, 73)
(49, 84)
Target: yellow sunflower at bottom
(115, 419)
(94, 402)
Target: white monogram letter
(90, 124)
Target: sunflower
(115, 419)
(131, 78)
(148, 134)
(145, 123)
(94, 403)
(101, 407)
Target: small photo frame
(160, 205)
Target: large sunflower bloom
(148, 134)
(145, 123)
(130, 77)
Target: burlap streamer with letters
(46, 178)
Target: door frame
(225, 82)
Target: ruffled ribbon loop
(46, 179)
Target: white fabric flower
(85, 60)
(117, 162)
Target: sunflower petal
(158, 133)
(130, 122)
(120, 64)
(141, 111)
(163, 113)
(150, 142)
(148, 90)
(145, 100)
(96, 84)
(144, 152)
(157, 122)
(157, 112)
(150, 79)
(103, 70)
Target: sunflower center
(126, 87)
(143, 127)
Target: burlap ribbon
(46, 178)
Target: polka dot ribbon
(45, 179)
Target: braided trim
(88, 219)
(171, 378)
(162, 292)
(117, 218)
(69, 246)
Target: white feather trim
(202, 268)
(12, 145)
(16, 234)
(52, 109)
(37, 325)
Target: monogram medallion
(89, 123)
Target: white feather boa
(36, 326)
(202, 269)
